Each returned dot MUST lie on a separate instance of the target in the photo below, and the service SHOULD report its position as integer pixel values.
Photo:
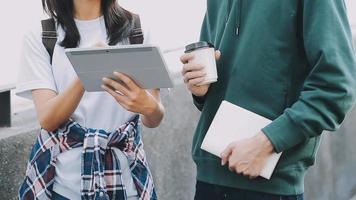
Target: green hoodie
(291, 61)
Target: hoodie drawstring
(239, 16)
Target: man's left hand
(248, 157)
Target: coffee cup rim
(198, 45)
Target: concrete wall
(334, 175)
(15, 144)
(169, 146)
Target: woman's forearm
(153, 118)
(55, 111)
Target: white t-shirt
(96, 110)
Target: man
(290, 61)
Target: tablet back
(144, 64)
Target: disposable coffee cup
(204, 54)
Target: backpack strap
(49, 35)
(136, 36)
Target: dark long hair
(118, 21)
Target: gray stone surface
(334, 175)
(15, 144)
(168, 148)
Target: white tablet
(144, 64)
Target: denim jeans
(205, 191)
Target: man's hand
(248, 157)
(194, 74)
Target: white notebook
(232, 123)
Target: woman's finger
(121, 99)
(127, 81)
(116, 86)
(100, 44)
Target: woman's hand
(135, 99)
(194, 73)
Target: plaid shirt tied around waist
(101, 172)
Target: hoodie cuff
(199, 102)
(284, 133)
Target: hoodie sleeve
(329, 90)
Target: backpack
(49, 34)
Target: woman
(89, 146)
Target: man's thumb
(217, 55)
